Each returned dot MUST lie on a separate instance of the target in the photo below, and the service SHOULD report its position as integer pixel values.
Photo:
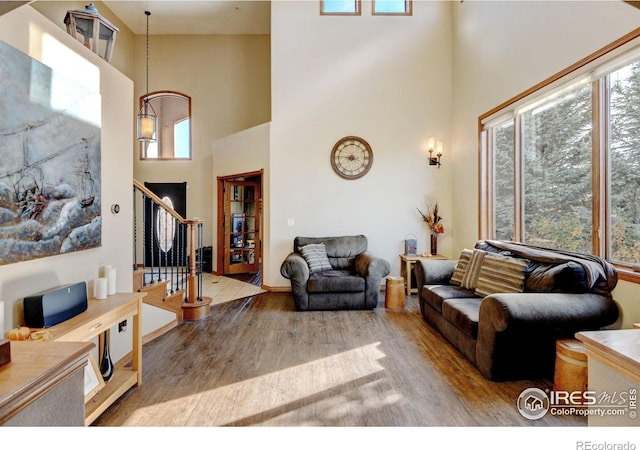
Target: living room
(292, 94)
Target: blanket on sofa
(600, 275)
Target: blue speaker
(56, 305)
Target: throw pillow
(316, 257)
(501, 274)
(470, 278)
(461, 267)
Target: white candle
(111, 280)
(100, 288)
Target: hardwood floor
(256, 361)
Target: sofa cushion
(501, 274)
(316, 257)
(464, 313)
(335, 281)
(461, 267)
(434, 295)
(547, 277)
(470, 278)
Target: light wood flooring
(258, 362)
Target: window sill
(626, 274)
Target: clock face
(351, 157)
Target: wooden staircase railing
(171, 252)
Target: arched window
(174, 126)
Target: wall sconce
(434, 160)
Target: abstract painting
(49, 161)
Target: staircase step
(175, 302)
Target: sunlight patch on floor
(331, 385)
(224, 289)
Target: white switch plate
(291, 222)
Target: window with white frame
(561, 165)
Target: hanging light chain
(146, 98)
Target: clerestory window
(392, 7)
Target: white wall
(503, 48)
(385, 79)
(25, 29)
(227, 78)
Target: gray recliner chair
(350, 280)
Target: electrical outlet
(122, 326)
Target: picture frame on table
(93, 381)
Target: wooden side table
(614, 367)
(406, 268)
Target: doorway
(239, 249)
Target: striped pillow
(470, 278)
(316, 257)
(501, 274)
(461, 267)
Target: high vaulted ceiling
(194, 17)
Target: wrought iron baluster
(200, 261)
(156, 223)
(166, 237)
(173, 256)
(145, 218)
(135, 231)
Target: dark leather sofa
(352, 281)
(510, 336)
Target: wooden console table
(100, 316)
(43, 384)
(613, 368)
(406, 268)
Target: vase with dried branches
(433, 219)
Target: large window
(556, 155)
(624, 157)
(561, 162)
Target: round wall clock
(351, 157)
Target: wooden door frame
(220, 231)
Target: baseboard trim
(276, 288)
(159, 332)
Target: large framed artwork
(49, 161)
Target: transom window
(174, 127)
(378, 7)
(340, 7)
(562, 169)
(391, 8)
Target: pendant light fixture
(147, 117)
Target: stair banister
(194, 306)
